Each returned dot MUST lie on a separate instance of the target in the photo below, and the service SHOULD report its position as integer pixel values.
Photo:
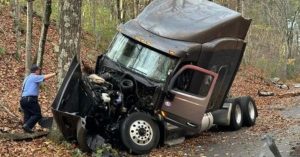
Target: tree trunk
(43, 37)
(238, 5)
(16, 15)
(135, 8)
(28, 36)
(23, 136)
(69, 35)
(93, 15)
(69, 44)
(242, 7)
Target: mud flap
(87, 141)
(67, 123)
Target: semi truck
(166, 75)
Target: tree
(283, 16)
(16, 14)
(69, 35)
(42, 42)
(28, 36)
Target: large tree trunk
(46, 23)
(28, 36)
(69, 35)
(69, 44)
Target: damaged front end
(79, 111)
(90, 108)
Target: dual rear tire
(243, 112)
(249, 110)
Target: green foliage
(105, 150)
(270, 67)
(78, 153)
(2, 51)
(104, 26)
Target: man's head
(35, 69)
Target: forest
(273, 41)
(56, 34)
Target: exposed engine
(114, 96)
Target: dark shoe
(26, 129)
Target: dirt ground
(219, 142)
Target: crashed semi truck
(165, 76)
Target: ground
(278, 115)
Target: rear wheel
(236, 119)
(139, 133)
(249, 110)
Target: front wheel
(139, 133)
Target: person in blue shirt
(29, 100)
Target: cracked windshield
(140, 59)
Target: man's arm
(48, 76)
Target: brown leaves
(11, 78)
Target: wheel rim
(141, 133)
(251, 110)
(238, 114)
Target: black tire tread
(233, 125)
(125, 137)
(244, 104)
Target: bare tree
(69, 34)
(28, 36)
(135, 8)
(16, 14)
(44, 31)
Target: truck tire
(139, 133)
(249, 110)
(236, 117)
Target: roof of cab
(194, 21)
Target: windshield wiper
(139, 71)
(144, 75)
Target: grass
(2, 51)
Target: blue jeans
(32, 111)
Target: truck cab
(166, 75)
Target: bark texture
(69, 35)
(44, 31)
(28, 36)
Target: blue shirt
(31, 85)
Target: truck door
(189, 93)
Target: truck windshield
(140, 59)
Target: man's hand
(48, 76)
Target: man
(29, 100)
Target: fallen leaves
(11, 78)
